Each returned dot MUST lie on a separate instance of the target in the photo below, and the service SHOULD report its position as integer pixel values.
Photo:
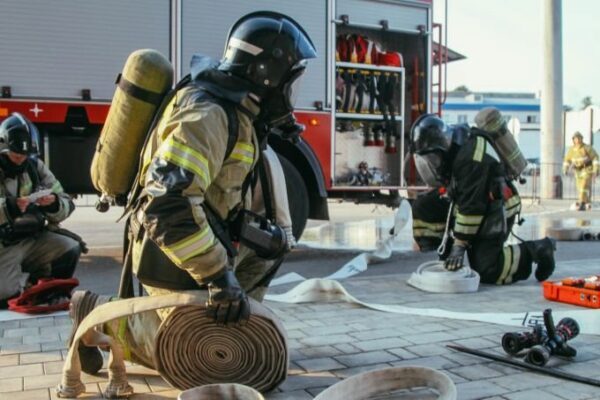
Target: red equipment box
(579, 296)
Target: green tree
(586, 101)
(462, 88)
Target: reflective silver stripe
(422, 232)
(417, 223)
(3, 212)
(243, 152)
(514, 266)
(507, 265)
(479, 149)
(466, 229)
(468, 219)
(189, 247)
(244, 46)
(186, 158)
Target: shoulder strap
(32, 171)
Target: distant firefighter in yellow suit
(584, 160)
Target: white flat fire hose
(432, 277)
(358, 387)
(189, 351)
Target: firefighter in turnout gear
(32, 204)
(485, 204)
(197, 182)
(584, 160)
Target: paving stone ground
(331, 341)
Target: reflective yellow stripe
(123, 338)
(417, 223)
(512, 256)
(57, 187)
(185, 157)
(479, 149)
(189, 247)
(422, 232)
(466, 229)
(468, 219)
(507, 264)
(512, 206)
(243, 152)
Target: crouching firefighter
(484, 200)
(208, 181)
(32, 204)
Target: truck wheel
(297, 197)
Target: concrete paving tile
(320, 364)
(477, 390)
(476, 343)
(573, 391)
(46, 330)
(295, 334)
(426, 350)
(59, 345)
(295, 395)
(41, 381)
(381, 344)
(328, 330)
(31, 358)
(476, 372)
(525, 380)
(435, 362)
(11, 385)
(326, 340)
(371, 357)
(19, 348)
(157, 384)
(37, 394)
(403, 353)
(12, 359)
(19, 332)
(53, 367)
(308, 381)
(9, 324)
(315, 391)
(432, 337)
(21, 370)
(375, 334)
(348, 372)
(34, 339)
(295, 369)
(347, 348)
(36, 322)
(321, 351)
(532, 395)
(10, 340)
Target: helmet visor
(291, 88)
(429, 167)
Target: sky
(502, 40)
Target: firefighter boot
(542, 253)
(82, 303)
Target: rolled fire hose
(362, 386)
(432, 277)
(255, 354)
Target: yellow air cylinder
(147, 76)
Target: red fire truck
(59, 60)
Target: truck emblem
(36, 110)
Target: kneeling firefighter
(32, 204)
(485, 203)
(208, 180)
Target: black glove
(227, 302)
(455, 260)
